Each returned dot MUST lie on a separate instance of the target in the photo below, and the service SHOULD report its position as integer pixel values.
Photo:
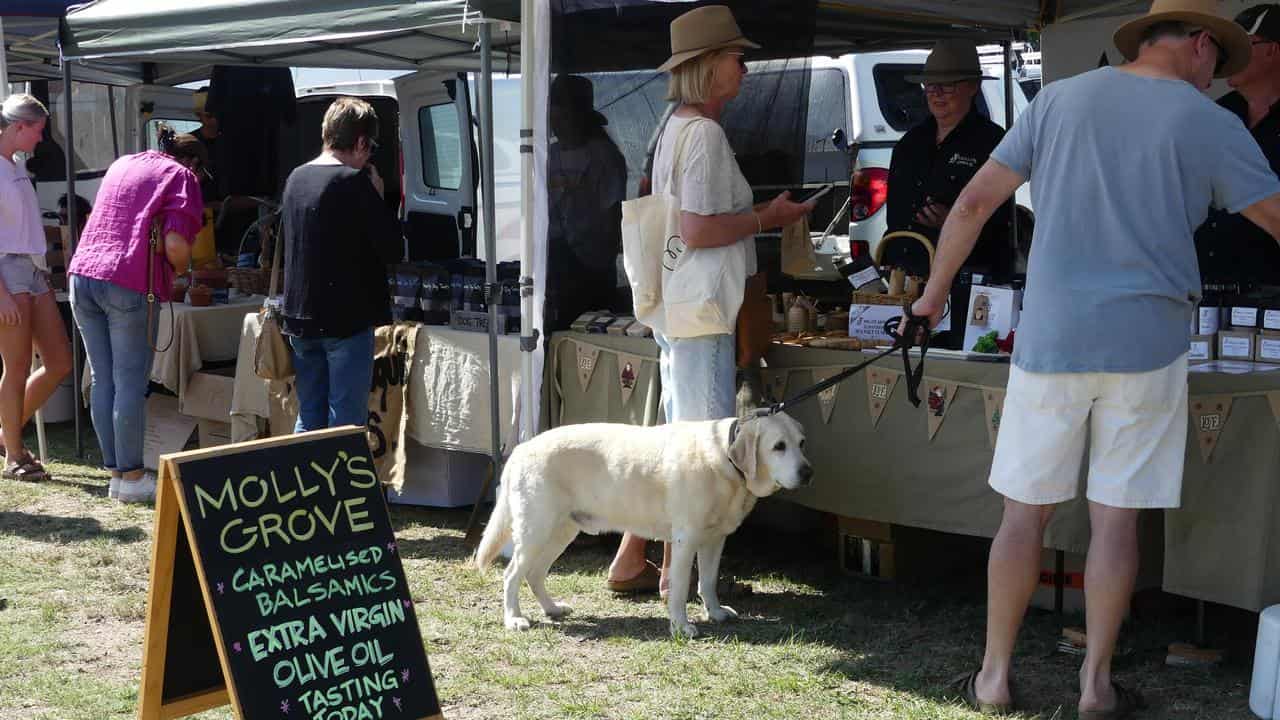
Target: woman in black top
(339, 237)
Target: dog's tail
(496, 533)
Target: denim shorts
(20, 275)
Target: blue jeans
(699, 377)
(113, 322)
(334, 375)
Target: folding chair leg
(42, 442)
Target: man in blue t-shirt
(1124, 165)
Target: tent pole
(528, 335)
(1008, 125)
(490, 247)
(73, 228)
(4, 64)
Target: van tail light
(869, 189)
(859, 248)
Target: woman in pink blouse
(109, 287)
(28, 312)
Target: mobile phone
(805, 195)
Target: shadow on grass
(63, 529)
(89, 488)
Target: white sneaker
(141, 490)
(113, 490)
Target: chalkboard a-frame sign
(276, 586)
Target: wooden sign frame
(171, 507)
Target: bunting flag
(775, 384)
(587, 357)
(941, 394)
(628, 374)
(1209, 415)
(994, 400)
(880, 384)
(827, 398)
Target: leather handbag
(755, 322)
(272, 356)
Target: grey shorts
(20, 275)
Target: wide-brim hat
(951, 61)
(1200, 13)
(702, 30)
(576, 94)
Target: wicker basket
(870, 298)
(250, 281)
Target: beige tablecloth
(199, 335)
(1222, 545)
(448, 403)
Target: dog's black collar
(733, 435)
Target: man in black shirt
(1231, 249)
(938, 157)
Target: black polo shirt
(1231, 248)
(922, 169)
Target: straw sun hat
(1201, 13)
(701, 31)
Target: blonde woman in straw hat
(1124, 164)
(707, 65)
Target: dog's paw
(517, 623)
(724, 613)
(559, 611)
(684, 630)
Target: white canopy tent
(181, 41)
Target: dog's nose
(806, 475)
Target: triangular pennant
(628, 374)
(994, 401)
(1209, 415)
(880, 384)
(940, 396)
(1103, 61)
(587, 357)
(1273, 397)
(775, 384)
(827, 398)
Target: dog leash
(901, 342)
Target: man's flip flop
(1127, 703)
(966, 688)
(646, 581)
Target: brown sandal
(1127, 703)
(966, 688)
(25, 468)
(645, 581)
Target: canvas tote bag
(272, 357)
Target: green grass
(811, 643)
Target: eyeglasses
(1262, 42)
(373, 145)
(742, 60)
(940, 88)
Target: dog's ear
(743, 449)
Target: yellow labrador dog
(689, 483)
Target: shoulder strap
(275, 264)
(678, 152)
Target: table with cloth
(882, 459)
(192, 338)
(446, 406)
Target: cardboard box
(1203, 348)
(208, 395)
(1267, 347)
(214, 433)
(1236, 344)
(441, 478)
(991, 309)
(866, 548)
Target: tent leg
(73, 232)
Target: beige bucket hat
(950, 61)
(1202, 13)
(702, 30)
